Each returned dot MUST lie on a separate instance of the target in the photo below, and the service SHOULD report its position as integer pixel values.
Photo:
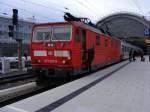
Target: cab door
(80, 45)
(83, 47)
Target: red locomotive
(72, 47)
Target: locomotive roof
(78, 24)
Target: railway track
(11, 95)
(15, 94)
(15, 78)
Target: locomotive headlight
(63, 61)
(62, 53)
(50, 45)
(69, 58)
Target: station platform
(124, 87)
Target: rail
(22, 75)
(9, 98)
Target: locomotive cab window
(61, 33)
(41, 34)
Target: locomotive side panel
(76, 48)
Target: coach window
(106, 42)
(97, 39)
(77, 38)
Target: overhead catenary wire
(55, 9)
(77, 11)
(86, 5)
(62, 10)
(24, 10)
(51, 8)
(138, 6)
(89, 9)
(93, 5)
(41, 5)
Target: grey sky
(52, 10)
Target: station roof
(126, 26)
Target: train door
(83, 46)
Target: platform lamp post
(14, 32)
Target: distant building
(8, 46)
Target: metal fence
(7, 65)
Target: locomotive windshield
(61, 33)
(41, 34)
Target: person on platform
(142, 56)
(25, 55)
(130, 55)
(134, 55)
(91, 53)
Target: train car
(71, 47)
(126, 48)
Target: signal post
(14, 32)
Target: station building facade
(8, 45)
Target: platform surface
(126, 90)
